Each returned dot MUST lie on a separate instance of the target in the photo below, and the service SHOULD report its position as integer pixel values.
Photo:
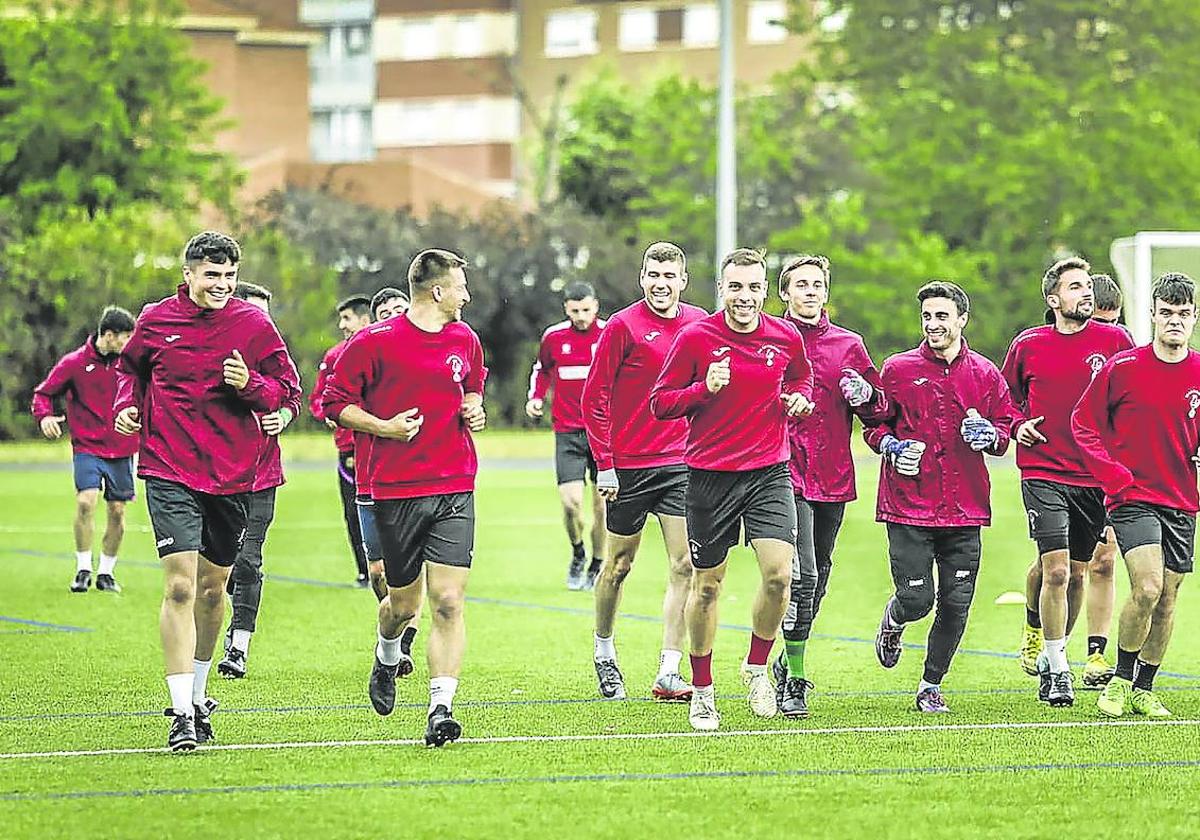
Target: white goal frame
(1132, 258)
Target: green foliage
(101, 105)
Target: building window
(701, 25)
(358, 40)
(419, 40)
(468, 37)
(571, 32)
(766, 22)
(638, 29)
(341, 134)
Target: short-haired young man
(1138, 425)
(640, 462)
(198, 367)
(245, 581)
(563, 361)
(415, 382)
(1047, 368)
(737, 376)
(845, 384)
(950, 405)
(103, 460)
(1108, 299)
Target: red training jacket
(88, 380)
(563, 362)
(343, 439)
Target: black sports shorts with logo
(425, 529)
(719, 503)
(659, 490)
(1063, 516)
(1141, 523)
(184, 519)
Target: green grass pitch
(865, 763)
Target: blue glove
(904, 455)
(978, 432)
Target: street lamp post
(726, 142)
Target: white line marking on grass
(629, 736)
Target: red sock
(702, 670)
(760, 650)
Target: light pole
(726, 142)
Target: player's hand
(127, 421)
(904, 455)
(607, 485)
(52, 426)
(404, 426)
(330, 424)
(474, 415)
(235, 371)
(717, 376)
(978, 432)
(533, 409)
(797, 405)
(275, 422)
(856, 391)
(1028, 434)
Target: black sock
(595, 565)
(406, 639)
(1125, 663)
(577, 550)
(1033, 619)
(1096, 644)
(1145, 675)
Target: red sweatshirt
(89, 382)
(929, 402)
(196, 430)
(1138, 426)
(616, 397)
(563, 362)
(743, 426)
(1047, 372)
(821, 465)
(394, 366)
(343, 438)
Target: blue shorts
(370, 532)
(115, 475)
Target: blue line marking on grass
(868, 772)
(44, 626)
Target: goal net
(1138, 259)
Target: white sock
(922, 685)
(441, 692)
(180, 686)
(107, 564)
(200, 684)
(83, 561)
(388, 650)
(668, 662)
(241, 640)
(604, 649)
(1056, 653)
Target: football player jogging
(641, 462)
(1047, 368)
(950, 405)
(245, 580)
(562, 366)
(737, 376)
(1138, 427)
(103, 459)
(415, 382)
(845, 384)
(197, 368)
(353, 314)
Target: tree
(102, 105)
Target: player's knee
(448, 610)
(705, 591)
(618, 568)
(1078, 576)
(85, 505)
(915, 601)
(1056, 577)
(1146, 593)
(680, 567)
(180, 591)
(777, 582)
(1103, 562)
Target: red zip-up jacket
(394, 366)
(196, 430)
(1138, 426)
(743, 426)
(929, 401)
(1047, 372)
(343, 438)
(622, 432)
(563, 361)
(88, 380)
(822, 467)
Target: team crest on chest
(566, 348)
(456, 365)
(1095, 362)
(1193, 398)
(769, 352)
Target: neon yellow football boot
(1143, 702)
(1031, 647)
(1115, 698)
(1097, 672)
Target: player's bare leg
(1101, 594)
(83, 528)
(110, 545)
(1054, 672)
(599, 538)
(701, 616)
(669, 683)
(447, 642)
(395, 611)
(770, 604)
(1146, 586)
(1144, 701)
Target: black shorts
(188, 520)
(719, 502)
(573, 459)
(1064, 517)
(1141, 523)
(426, 529)
(661, 490)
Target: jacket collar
(928, 353)
(820, 328)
